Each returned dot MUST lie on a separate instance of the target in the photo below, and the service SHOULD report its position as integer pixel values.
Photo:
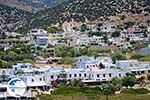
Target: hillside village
(86, 49)
(88, 52)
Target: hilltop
(116, 11)
(31, 5)
(16, 4)
(79, 10)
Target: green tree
(108, 90)
(84, 51)
(65, 51)
(83, 28)
(115, 34)
(105, 38)
(117, 83)
(7, 65)
(136, 56)
(129, 80)
(129, 24)
(114, 60)
(67, 60)
(118, 56)
(88, 52)
(1, 63)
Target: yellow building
(54, 38)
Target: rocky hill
(16, 4)
(11, 18)
(31, 5)
(42, 3)
(93, 10)
(80, 10)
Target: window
(79, 75)
(119, 75)
(84, 75)
(52, 76)
(75, 75)
(98, 75)
(104, 75)
(44, 78)
(40, 79)
(24, 66)
(138, 72)
(58, 76)
(110, 75)
(70, 75)
(92, 75)
(32, 80)
(142, 72)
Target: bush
(142, 91)
(136, 56)
(129, 81)
(119, 56)
(115, 34)
(136, 91)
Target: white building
(90, 62)
(106, 74)
(37, 32)
(36, 78)
(95, 75)
(88, 70)
(133, 34)
(78, 74)
(83, 40)
(134, 66)
(107, 28)
(97, 39)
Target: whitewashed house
(134, 66)
(37, 32)
(83, 40)
(41, 78)
(78, 74)
(132, 34)
(106, 74)
(94, 63)
(107, 28)
(96, 40)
